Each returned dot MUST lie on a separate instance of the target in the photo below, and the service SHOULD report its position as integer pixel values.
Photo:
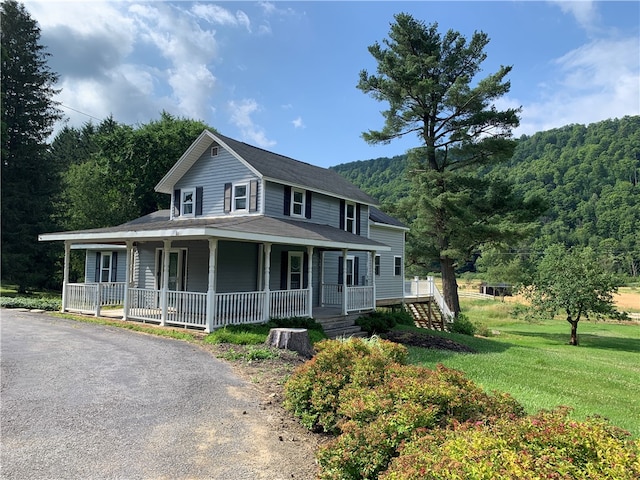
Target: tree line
(589, 176)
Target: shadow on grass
(588, 340)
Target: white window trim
(377, 262)
(103, 255)
(302, 204)
(214, 151)
(234, 197)
(183, 192)
(347, 218)
(183, 262)
(395, 258)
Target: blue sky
(282, 75)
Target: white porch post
(267, 281)
(310, 280)
(65, 277)
(344, 281)
(373, 276)
(165, 282)
(127, 279)
(211, 288)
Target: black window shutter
(355, 270)
(98, 267)
(287, 200)
(253, 196)
(340, 270)
(305, 273)
(284, 270)
(358, 219)
(307, 205)
(227, 197)
(199, 191)
(341, 214)
(176, 203)
(114, 266)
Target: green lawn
(534, 363)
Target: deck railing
(427, 288)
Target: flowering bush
(378, 418)
(546, 445)
(313, 391)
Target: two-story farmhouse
(250, 235)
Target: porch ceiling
(249, 228)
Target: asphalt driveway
(85, 401)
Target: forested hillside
(590, 175)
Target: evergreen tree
(428, 80)
(28, 113)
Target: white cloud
(583, 11)
(597, 81)
(221, 16)
(241, 116)
(298, 123)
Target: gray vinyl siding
(325, 210)
(212, 173)
(237, 267)
(332, 266)
(147, 264)
(389, 285)
(197, 264)
(90, 265)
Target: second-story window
(187, 202)
(240, 196)
(297, 202)
(350, 217)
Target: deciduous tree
(574, 282)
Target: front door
(177, 270)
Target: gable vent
(214, 151)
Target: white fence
(289, 303)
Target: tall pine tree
(28, 113)
(429, 81)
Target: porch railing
(289, 303)
(358, 297)
(144, 304)
(239, 308)
(89, 297)
(187, 308)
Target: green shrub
(313, 391)
(378, 418)
(383, 321)
(41, 303)
(461, 324)
(546, 445)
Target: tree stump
(296, 339)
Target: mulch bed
(424, 340)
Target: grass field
(534, 363)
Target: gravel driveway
(84, 401)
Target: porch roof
(249, 228)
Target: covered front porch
(191, 309)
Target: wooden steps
(341, 326)
(426, 314)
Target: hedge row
(31, 303)
(401, 422)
